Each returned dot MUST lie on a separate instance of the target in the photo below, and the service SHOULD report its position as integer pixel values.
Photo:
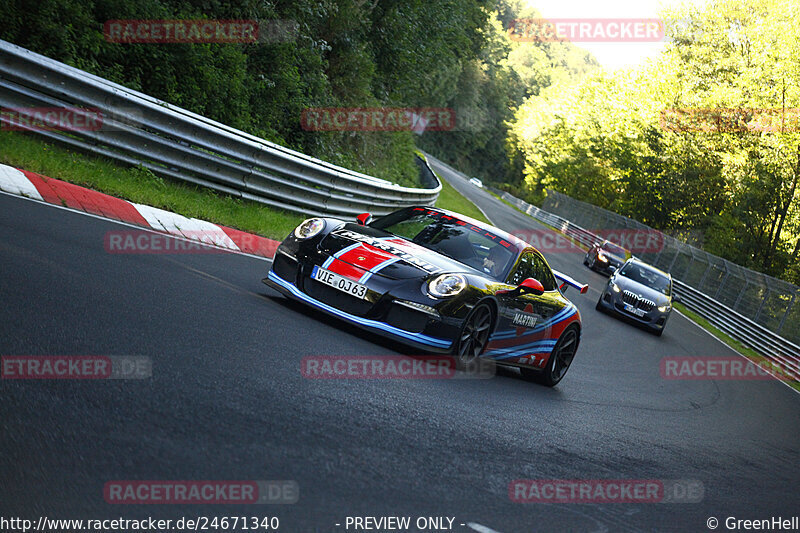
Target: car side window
(543, 273)
(523, 270)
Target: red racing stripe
(347, 270)
(553, 331)
(365, 256)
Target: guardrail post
(741, 294)
(724, 281)
(788, 309)
(761, 305)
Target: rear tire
(560, 360)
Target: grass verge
(451, 199)
(138, 184)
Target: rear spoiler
(568, 281)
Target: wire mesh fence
(768, 301)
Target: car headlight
(446, 285)
(664, 308)
(309, 228)
(615, 287)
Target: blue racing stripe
(555, 319)
(377, 268)
(516, 351)
(416, 337)
(330, 259)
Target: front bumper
(654, 319)
(387, 313)
(608, 267)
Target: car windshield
(613, 249)
(457, 239)
(646, 276)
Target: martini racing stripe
(386, 263)
(330, 260)
(540, 347)
(359, 261)
(416, 337)
(558, 317)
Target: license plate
(631, 309)
(336, 281)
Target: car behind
(641, 293)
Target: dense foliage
(343, 53)
(679, 143)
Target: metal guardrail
(776, 348)
(172, 142)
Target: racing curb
(35, 186)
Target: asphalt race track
(227, 401)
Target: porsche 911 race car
(437, 281)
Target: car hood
(408, 259)
(640, 290)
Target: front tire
(474, 336)
(599, 305)
(559, 362)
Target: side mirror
(676, 299)
(364, 219)
(530, 285)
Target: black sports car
(641, 293)
(438, 281)
(606, 257)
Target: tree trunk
(784, 210)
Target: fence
(172, 142)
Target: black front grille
(641, 303)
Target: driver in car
(493, 263)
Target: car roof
(614, 244)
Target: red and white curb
(57, 192)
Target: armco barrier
(175, 143)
